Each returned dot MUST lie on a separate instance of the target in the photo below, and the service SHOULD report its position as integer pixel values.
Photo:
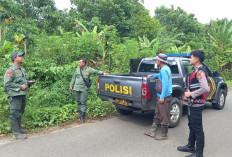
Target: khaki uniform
(78, 85)
(14, 78)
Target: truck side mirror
(216, 74)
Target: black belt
(197, 101)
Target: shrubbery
(56, 40)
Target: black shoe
(194, 155)
(186, 148)
(79, 115)
(82, 117)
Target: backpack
(5, 88)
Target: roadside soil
(7, 138)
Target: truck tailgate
(122, 87)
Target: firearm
(186, 89)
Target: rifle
(187, 88)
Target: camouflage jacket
(77, 82)
(14, 78)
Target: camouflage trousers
(81, 97)
(17, 106)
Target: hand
(31, 82)
(187, 94)
(24, 87)
(149, 75)
(70, 89)
(105, 74)
(161, 101)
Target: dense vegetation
(106, 32)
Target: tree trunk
(25, 46)
(0, 30)
(231, 68)
(4, 29)
(109, 64)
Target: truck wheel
(221, 99)
(175, 112)
(123, 111)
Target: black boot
(15, 130)
(79, 115)
(164, 135)
(82, 118)
(186, 148)
(190, 147)
(196, 154)
(199, 147)
(23, 131)
(153, 131)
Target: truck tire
(221, 99)
(175, 112)
(122, 111)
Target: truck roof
(169, 58)
(173, 56)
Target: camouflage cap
(16, 54)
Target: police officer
(16, 83)
(197, 92)
(164, 97)
(78, 84)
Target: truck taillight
(145, 91)
(98, 84)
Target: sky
(204, 10)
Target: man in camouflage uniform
(16, 83)
(78, 84)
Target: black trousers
(196, 134)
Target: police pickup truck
(135, 91)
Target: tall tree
(185, 23)
(221, 38)
(119, 13)
(146, 25)
(8, 10)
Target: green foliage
(48, 116)
(229, 83)
(119, 13)
(194, 32)
(98, 108)
(146, 25)
(108, 33)
(4, 112)
(221, 37)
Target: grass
(229, 83)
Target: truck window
(134, 64)
(150, 66)
(187, 67)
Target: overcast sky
(204, 10)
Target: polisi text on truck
(118, 89)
